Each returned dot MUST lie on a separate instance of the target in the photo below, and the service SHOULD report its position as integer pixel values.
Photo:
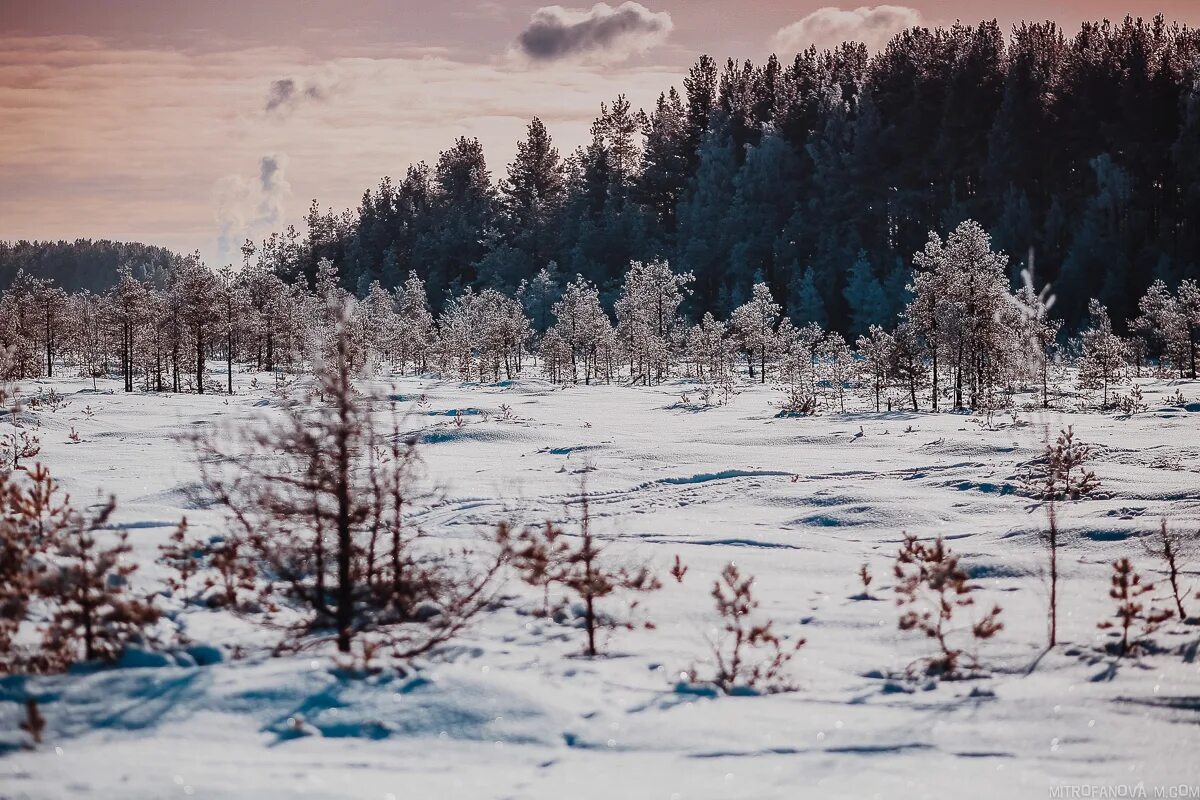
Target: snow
(512, 710)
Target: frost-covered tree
(583, 332)
(416, 325)
(754, 324)
(648, 317)
(877, 352)
(962, 310)
(1103, 354)
(1171, 323)
(709, 351)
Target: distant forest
(821, 177)
(84, 264)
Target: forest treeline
(819, 177)
(84, 264)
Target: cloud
(828, 27)
(604, 33)
(286, 94)
(247, 208)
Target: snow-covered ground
(512, 711)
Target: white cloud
(828, 27)
(603, 34)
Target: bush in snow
(319, 500)
(1062, 473)
(546, 557)
(1136, 620)
(933, 587)
(95, 614)
(1174, 548)
(746, 651)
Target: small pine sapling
(235, 572)
(1132, 403)
(183, 556)
(678, 570)
(1135, 619)
(865, 578)
(933, 586)
(748, 654)
(1174, 548)
(16, 445)
(1062, 473)
(545, 556)
(538, 556)
(89, 586)
(33, 513)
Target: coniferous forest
(822, 175)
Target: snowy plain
(511, 709)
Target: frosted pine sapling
(933, 586)
(1135, 619)
(746, 652)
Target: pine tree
(754, 325)
(1103, 356)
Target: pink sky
(149, 119)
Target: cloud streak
(603, 33)
(828, 27)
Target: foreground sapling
(747, 652)
(546, 556)
(1174, 548)
(933, 587)
(1136, 619)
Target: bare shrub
(546, 556)
(1136, 620)
(319, 502)
(746, 651)
(1174, 548)
(932, 587)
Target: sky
(196, 124)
